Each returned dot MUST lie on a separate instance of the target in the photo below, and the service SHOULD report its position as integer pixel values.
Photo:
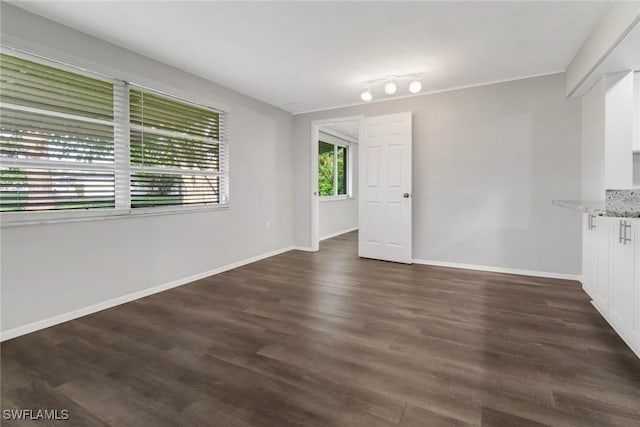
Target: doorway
(334, 165)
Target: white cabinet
(596, 258)
(611, 272)
(622, 303)
(636, 322)
(589, 254)
(604, 228)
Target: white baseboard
(519, 272)
(65, 317)
(302, 248)
(338, 233)
(631, 343)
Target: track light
(390, 88)
(366, 95)
(390, 85)
(415, 86)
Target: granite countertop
(599, 208)
(618, 203)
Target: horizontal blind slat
(40, 189)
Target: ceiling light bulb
(366, 95)
(390, 88)
(415, 86)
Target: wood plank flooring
(328, 339)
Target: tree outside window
(332, 169)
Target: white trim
(451, 89)
(17, 219)
(505, 270)
(324, 199)
(302, 248)
(338, 233)
(94, 308)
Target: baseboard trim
(338, 233)
(65, 317)
(532, 273)
(621, 333)
(302, 248)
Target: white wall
(487, 162)
(593, 137)
(52, 269)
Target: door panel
(622, 289)
(385, 178)
(590, 254)
(636, 328)
(604, 228)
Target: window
(74, 141)
(56, 138)
(175, 152)
(332, 169)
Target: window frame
(122, 163)
(337, 142)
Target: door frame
(315, 200)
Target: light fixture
(366, 95)
(415, 86)
(390, 88)
(390, 85)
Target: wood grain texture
(324, 339)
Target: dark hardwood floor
(322, 339)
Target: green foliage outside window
(325, 169)
(342, 170)
(326, 172)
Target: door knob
(405, 195)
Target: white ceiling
(351, 129)
(304, 56)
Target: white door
(385, 188)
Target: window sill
(19, 219)
(334, 198)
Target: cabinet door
(636, 328)
(623, 275)
(590, 254)
(604, 230)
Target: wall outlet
(267, 225)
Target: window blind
(178, 151)
(72, 139)
(57, 146)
